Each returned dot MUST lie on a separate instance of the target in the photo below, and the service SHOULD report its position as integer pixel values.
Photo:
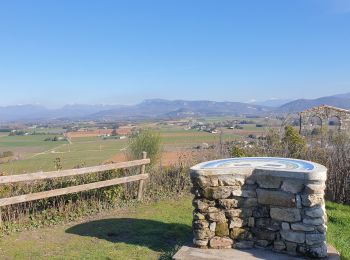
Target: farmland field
(40, 155)
(34, 154)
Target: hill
(341, 101)
(160, 108)
(164, 109)
(148, 109)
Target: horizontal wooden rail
(72, 172)
(73, 189)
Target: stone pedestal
(272, 203)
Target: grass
(146, 232)
(143, 232)
(38, 155)
(339, 228)
(91, 152)
(14, 142)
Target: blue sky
(121, 52)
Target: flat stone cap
(274, 166)
(191, 253)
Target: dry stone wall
(324, 113)
(267, 209)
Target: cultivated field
(89, 147)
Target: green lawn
(89, 152)
(143, 232)
(339, 228)
(37, 141)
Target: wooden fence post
(143, 168)
(0, 218)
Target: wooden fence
(73, 189)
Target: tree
(114, 132)
(237, 152)
(294, 142)
(145, 140)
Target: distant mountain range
(164, 109)
(160, 108)
(273, 102)
(341, 101)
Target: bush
(145, 140)
(6, 154)
(294, 142)
(237, 152)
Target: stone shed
(273, 203)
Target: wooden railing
(73, 189)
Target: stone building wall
(261, 209)
(324, 113)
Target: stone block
(316, 212)
(212, 210)
(319, 251)
(198, 216)
(321, 228)
(202, 234)
(302, 227)
(292, 236)
(313, 221)
(221, 243)
(221, 192)
(276, 198)
(207, 181)
(229, 180)
(202, 205)
(274, 225)
(291, 248)
(285, 226)
(221, 229)
(315, 239)
(298, 201)
(198, 224)
(242, 212)
(264, 234)
(230, 203)
(267, 223)
(285, 214)
(249, 202)
(315, 188)
(238, 202)
(240, 234)
(262, 243)
(217, 216)
(262, 222)
(200, 243)
(279, 245)
(251, 222)
(293, 186)
(261, 212)
(237, 222)
(268, 181)
(247, 193)
(244, 244)
(311, 200)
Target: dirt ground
(169, 158)
(99, 132)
